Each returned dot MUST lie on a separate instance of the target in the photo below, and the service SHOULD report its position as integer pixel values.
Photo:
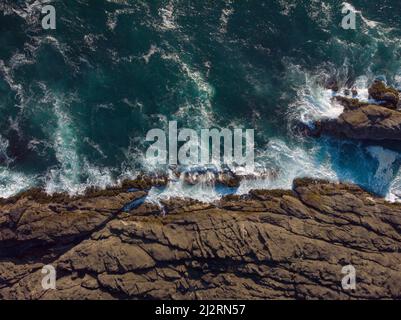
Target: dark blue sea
(76, 102)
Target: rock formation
(366, 121)
(265, 245)
(369, 122)
(386, 96)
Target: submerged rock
(332, 84)
(211, 177)
(278, 244)
(350, 103)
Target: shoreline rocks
(387, 96)
(365, 120)
(269, 244)
(368, 122)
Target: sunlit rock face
(264, 245)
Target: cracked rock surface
(378, 120)
(266, 245)
(368, 122)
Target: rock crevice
(265, 245)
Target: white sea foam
(168, 18)
(198, 112)
(291, 162)
(152, 50)
(394, 193)
(314, 102)
(3, 151)
(30, 12)
(385, 174)
(287, 6)
(12, 183)
(73, 174)
(285, 163)
(112, 18)
(7, 73)
(61, 181)
(66, 175)
(321, 12)
(178, 188)
(225, 16)
(362, 85)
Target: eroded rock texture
(378, 120)
(369, 122)
(267, 245)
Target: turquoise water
(76, 102)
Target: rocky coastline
(270, 244)
(379, 119)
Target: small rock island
(378, 119)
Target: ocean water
(76, 102)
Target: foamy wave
(225, 16)
(152, 50)
(178, 188)
(8, 77)
(278, 166)
(198, 112)
(112, 18)
(12, 183)
(58, 180)
(287, 6)
(73, 174)
(168, 18)
(394, 193)
(29, 10)
(313, 102)
(292, 162)
(383, 179)
(4, 158)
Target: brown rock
(266, 245)
(367, 122)
(388, 95)
(350, 103)
(211, 177)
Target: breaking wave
(76, 104)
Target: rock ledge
(266, 245)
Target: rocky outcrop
(386, 96)
(266, 245)
(366, 121)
